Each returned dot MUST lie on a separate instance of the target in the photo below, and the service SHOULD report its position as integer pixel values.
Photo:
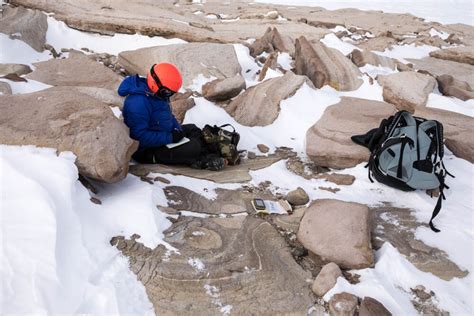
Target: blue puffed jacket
(148, 117)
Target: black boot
(209, 162)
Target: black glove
(177, 135)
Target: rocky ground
(340, 71)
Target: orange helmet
(164, 75)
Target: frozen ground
(56, 256)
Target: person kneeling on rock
(147, 113)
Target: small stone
(297, 197)
(326, 279)
(251, 155)
(146, 179)
(420, 292)
(96, 200)
(272, 15)
(343, 304)
(372, 307)
(14, 77)
(333, 190)
(337, 178)
(263, 148)
(161, 179)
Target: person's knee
(194, 148)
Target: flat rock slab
(239, 264)
(260, 104)
(438, 67)
(231, 174)
(397, 226)
(328, 142)
(209, 59)
(462, 54)
(69, 121)
(27, 25)
(77, 70)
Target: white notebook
(183, 140)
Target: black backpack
(407, 154)
(223, 141)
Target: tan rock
(29, 26)
(263, 148)
(297, 197)
(379, 43)
(77, 70)
(223, 89)
(326, 279)
(272, 41)
(18, 69)
(406, 90)
(260, 104)
(180, 105)
(208, 59)
(107, 96)
(69, 121)
(450, 86)
(5, 88)
(343, 304)
(328, 142)
(339, 232)
(371, 307)
(462, 54)
(362, 58)
(325, 66)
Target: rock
(69, 121)
(263, 148)
(107, 96)
(251, 155)
(337, 178)
(223, 89)
(379, 43)
(450, 86)
(362, 58)
(328, 142)
(272, 15)
(14, 77)
(438, 67)
(458, 129)
(77, 70)
(260, 104)
(29, 26)
(343, 304)
(243, 262)
(339, 232)
(326, 66)
(272, 41)
(162, 180)
(193, 59)
(406, 90)
(18, 69)
(371, 307)
(326, 279)
(270, 62)
(462, 54)
(5, 88)
(95, 200)
(453, 39)
(297, 197)
(180, 104)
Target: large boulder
(69, 121)
(438, 67)
(406, 90)
(450, 86)
(339, 232)
(272, 41)
(77, 70)
(458, 130)
(193, 59)
(19, 69)
(326, 66)
(260, 105)
(363, 57)
(27, 25)
(223, 89)
(328, 142)
(462, 54)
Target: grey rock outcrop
(208, 59)
(326, 279)
(450, 86)
(69, 121)
(77, 70)
(18, 69)
(462, 54)
(361, 58)
(223, 89)
(27, 25)
(328, 142)
(260, 104)
(343, 304)
(406, 90)
(339, 232)
(371, 307)
(272, 41)
(325, 66)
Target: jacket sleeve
(137, 118)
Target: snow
(197, 264)
(451, 104)
(444, 11)
(400, 52)
(26, 87)
(331, 40)
(19, 52)
(434, 32)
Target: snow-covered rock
(338, 231)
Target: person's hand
(177, 135)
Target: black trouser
(186, 154)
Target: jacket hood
(133, 85)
